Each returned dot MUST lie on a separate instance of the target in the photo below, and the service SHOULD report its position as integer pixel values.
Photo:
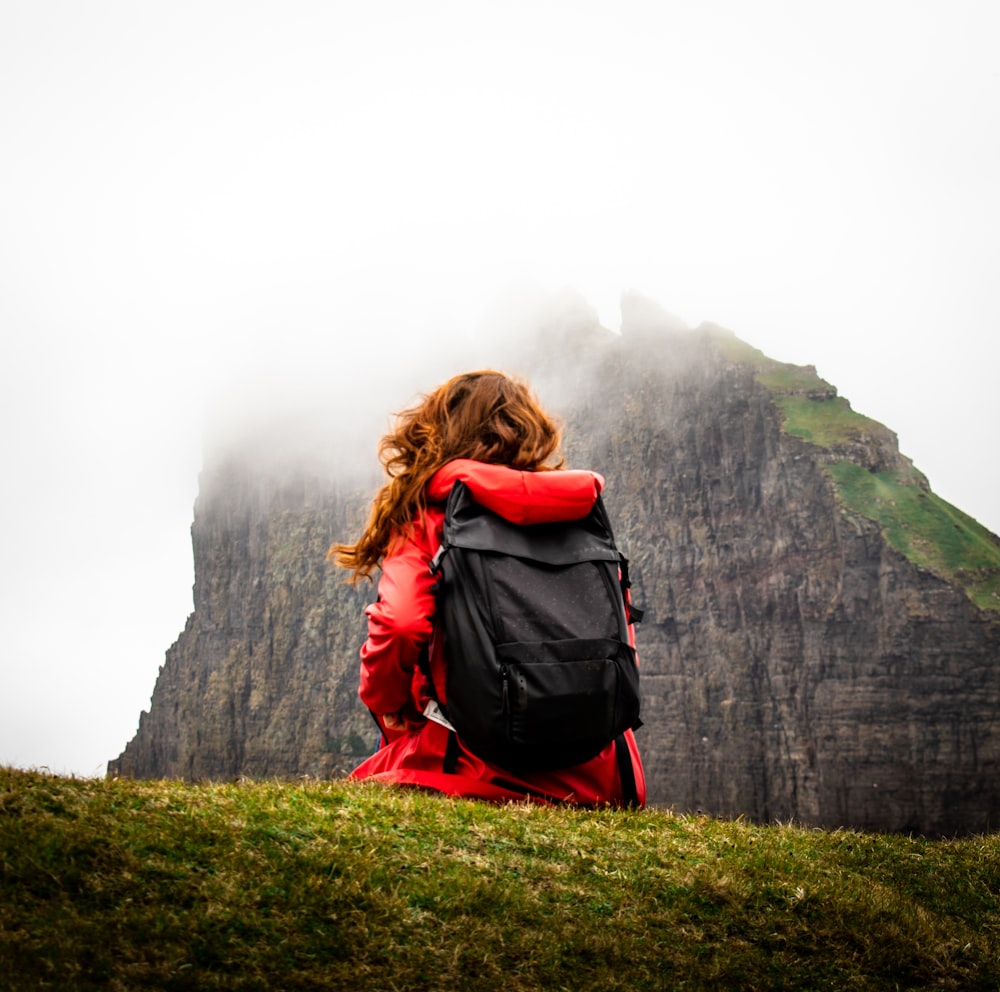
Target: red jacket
(401, 625)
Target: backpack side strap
(635, 615)
(630, 795)
(451, 754)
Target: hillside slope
(333, 885)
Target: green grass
(930, 532)
(158, 885)
(781, 377)
(927, 529)
(811, 407)
(826, 422)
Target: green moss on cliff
(812, 408)
(929, 531)
(733, 348)
(823, 422)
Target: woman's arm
(400, 624)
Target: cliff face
(795, 664)
(263, 681)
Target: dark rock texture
(263, 681)
(795, 665)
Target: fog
(211, 211)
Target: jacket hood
(518, 496)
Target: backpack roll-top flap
(469, 525)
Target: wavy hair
(486, 416)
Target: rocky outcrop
(262, 681)
(795, 664)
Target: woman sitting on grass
(486, 430)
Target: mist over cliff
(822, 633)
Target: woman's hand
(406, 720)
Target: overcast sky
(200, 199)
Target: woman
(486, 430)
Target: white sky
(196, 196)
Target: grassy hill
(158, 885)
(928, 530)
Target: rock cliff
(813, 647)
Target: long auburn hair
(486, 416)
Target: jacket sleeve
(400, 624)
(522, 497)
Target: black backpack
(540, 671)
